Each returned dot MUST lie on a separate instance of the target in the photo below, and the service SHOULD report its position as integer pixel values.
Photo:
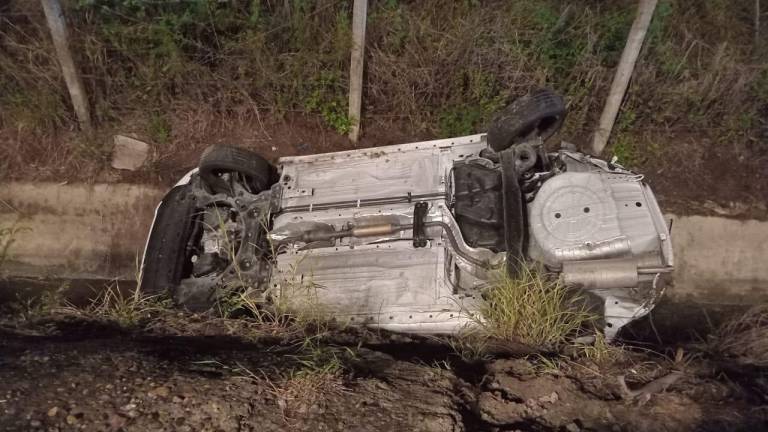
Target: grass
(318, 372)
(743, 339)
(530, 312)
(295, 304)
(124, 309)
(312, 371)
(532, 308)
(625, 150)
(159, 129)
(600, 351)
(35, 307)
(183, 73)
(441, 65)
(471, 346)
(7, 239)
(112, 303)
(292, 306)
(315, 359)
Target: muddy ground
(190, 373)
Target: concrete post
(623, 74)
(58, 27)
(359, 14)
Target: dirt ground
(182, 373)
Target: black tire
(259, 173)
(540, 113)
(166, 254)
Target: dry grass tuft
(532, 308)
(744, 339)
(317, 371)
(600, 351)
(27, 309)
(471, 346)
(126, 310)
(7, 239)
(291, 308)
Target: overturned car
(408, 237)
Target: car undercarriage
(408, 237)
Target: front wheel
(216, 161)
(165, 258)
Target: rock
(161, 391)
(71, 419)
(53, 411)
(35, 423)
(552, 398)
(116, 422)
(572, 427)
(520, 368)
(129, 153)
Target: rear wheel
(539, 114)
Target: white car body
(595, 223)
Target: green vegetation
(291, 306)
(34, 111)
(30, 308)
(532, 308)
(317, 360)
(470, 346)
(438, 67)
(534, 314)
(7, 238)
(328, 99)
(625, 151)
(312, 372)
(159, 128)
(125, 309)
(318, 371)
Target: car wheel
(540, 113)
(217, 160)
(166, 253)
